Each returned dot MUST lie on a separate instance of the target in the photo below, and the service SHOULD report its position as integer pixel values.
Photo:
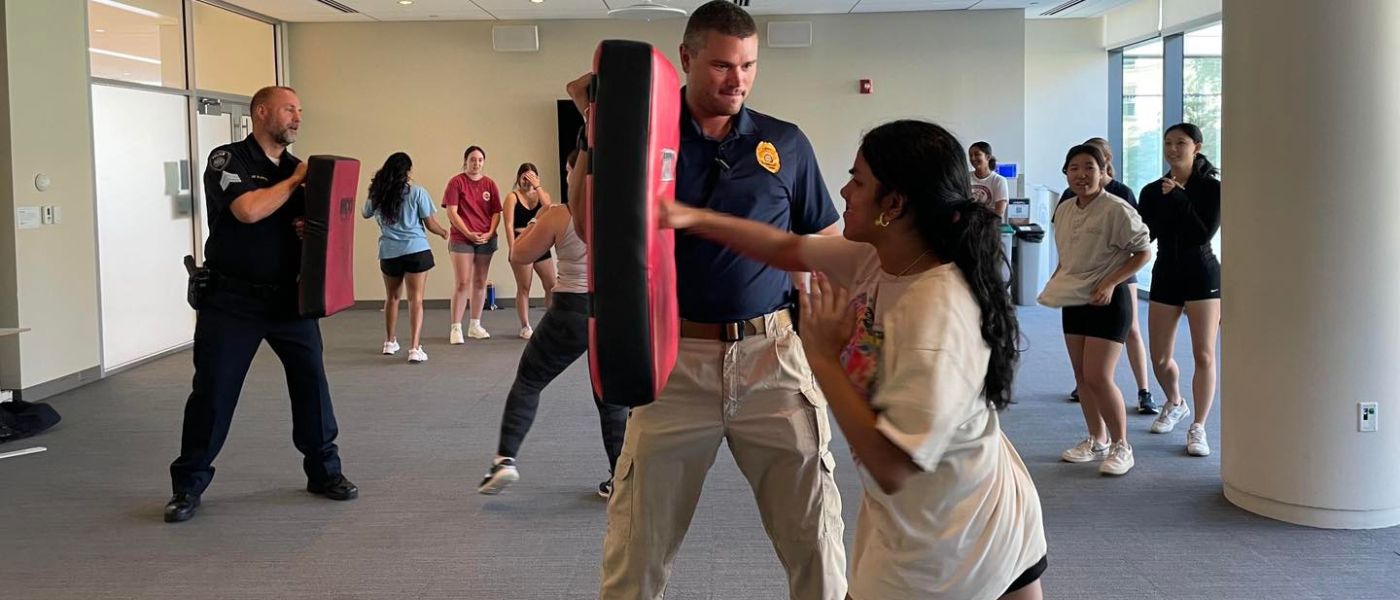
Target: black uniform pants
(559, 340)
(225, 340)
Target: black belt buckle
(732, 332)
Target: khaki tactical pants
(757, 394)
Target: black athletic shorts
(417, 262)
(1030, 576)
(1176, 285)
(1110, 321)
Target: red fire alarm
(865, 86)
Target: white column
(1312, 249)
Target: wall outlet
(1366, 417)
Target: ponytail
(972, 241)
(1202, 167)
(927, 165)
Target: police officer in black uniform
(255, 203)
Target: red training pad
(634, 133)
(327, 282)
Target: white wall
(50, 272)
(1066, 94)
(1310, 325)
(431, 89)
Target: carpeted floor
(83, 520)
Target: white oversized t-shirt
(990, 190)
(970, 523)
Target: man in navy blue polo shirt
(741, 375)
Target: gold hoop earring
(882, 221)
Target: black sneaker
(502, 474)
(1074, 395)
(605, 489)
(335, 488)
(1146, 406)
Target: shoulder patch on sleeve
(219, 159)
(228, 179)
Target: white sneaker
(1196, 444)
(526, 332)
(391, 347)
(417, 355)
(502, 474)
(1085, 451)
(1119, 461)
(477, 332)
(455, 335)
(1169, 417)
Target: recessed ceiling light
(100, 30)
(537, 1)
(405, 2)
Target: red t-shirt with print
(475, 201)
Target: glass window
(141, 41)
(233, 54)
(1203, 83)
(1142, 114)
(1142, 122)
(1201, 97)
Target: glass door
(145, 220)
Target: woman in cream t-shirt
(915, 360)
(1101, 242)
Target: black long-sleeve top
(1183, 221)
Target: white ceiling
(525, 10)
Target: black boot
(181, 507)
(335, 488)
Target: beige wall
(1066, 94)
(431, 89)
(51, 280)
(232, 53)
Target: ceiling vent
(338, 6)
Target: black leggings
(560, 339)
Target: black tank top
(522, 214)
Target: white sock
(476, 322)
(498, 459)
(457, 325)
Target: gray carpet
(83, 520)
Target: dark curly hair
(927, 165)
(390, 186)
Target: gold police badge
(768, 157)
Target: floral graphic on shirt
(981, 193)
(861, 356)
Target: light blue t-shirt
(407, 236)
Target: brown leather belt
(733, 331)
